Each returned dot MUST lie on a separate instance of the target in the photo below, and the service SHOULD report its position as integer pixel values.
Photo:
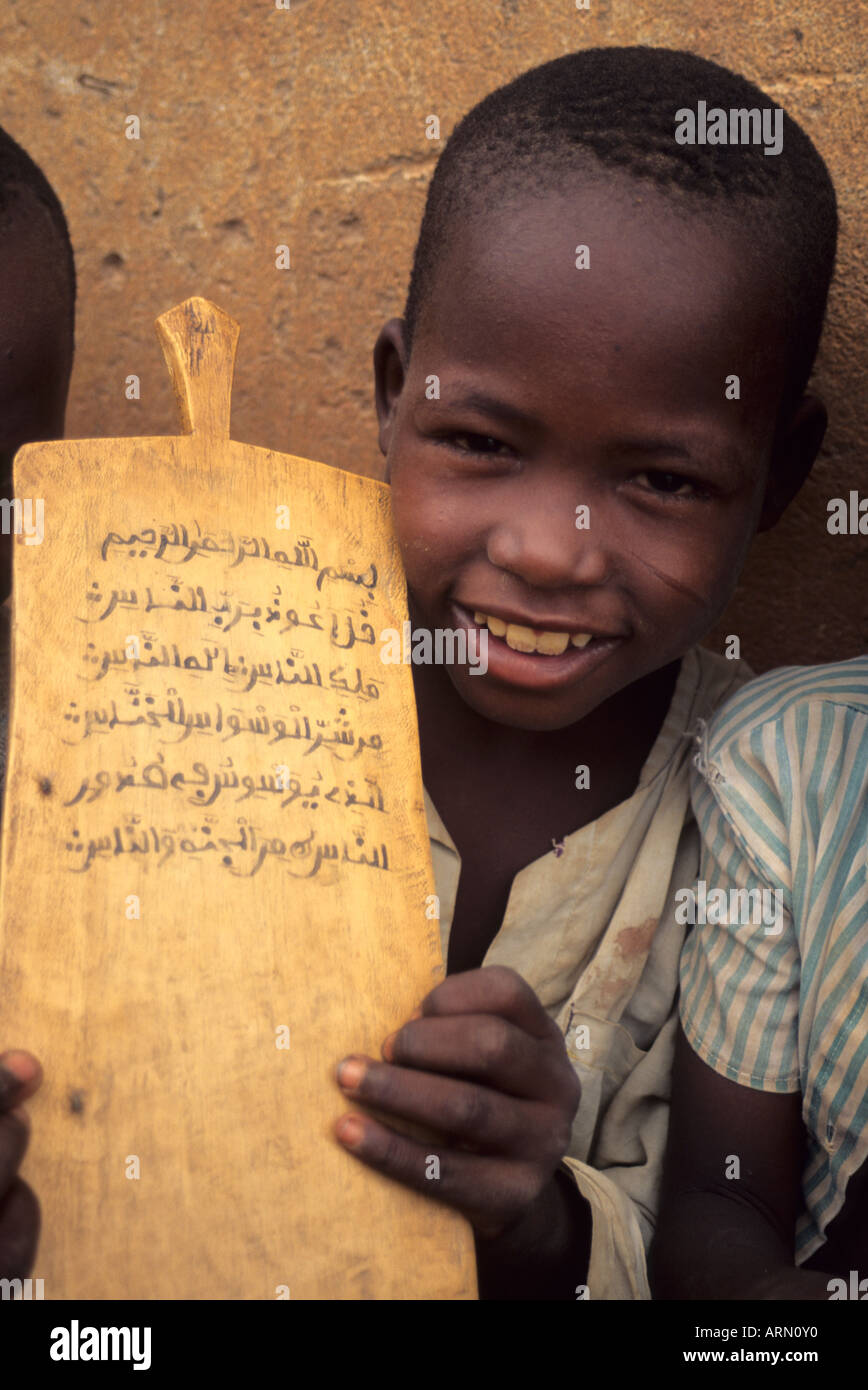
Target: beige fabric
(592, 930)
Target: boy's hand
(20, 1076)
(484, 1066)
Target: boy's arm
(731, 1191)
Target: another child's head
(657, 379)
(37, 316)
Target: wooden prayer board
(216, 879)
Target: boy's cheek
(431, 536)
(681, 621)
(700, 562)
(675, 609)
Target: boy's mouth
(529, 640)
(538, 658)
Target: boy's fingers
(19, 1231)
(495, 989)
(20, 1076)
(14, 1136)
(484, 1047)
(467, 1113)
(475, 1185)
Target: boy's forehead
(601, 261)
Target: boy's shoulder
(780, 694)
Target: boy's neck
(618, 734)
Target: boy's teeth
(495, 625)
(521, 639)
(552, 643)
(529, 639)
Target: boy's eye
(670, 484)
(475, 443)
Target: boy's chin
(534, 712)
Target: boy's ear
(390, 361)
(795, 448)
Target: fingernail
(389, 1046)
(417, 1014)
(18, 1068)
(350, 1131)
(350, 1073)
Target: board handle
(199, 342)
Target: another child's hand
(20, 1076)
(484, 1066)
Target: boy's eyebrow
(490, 405)
(705, 447)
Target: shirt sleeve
(740, 968)
(781, 808)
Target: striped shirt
(780, 794)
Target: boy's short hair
(614, 109)
(20, 177)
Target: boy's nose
(547, 549)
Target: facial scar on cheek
(667, 579)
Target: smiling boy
(657, 379)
